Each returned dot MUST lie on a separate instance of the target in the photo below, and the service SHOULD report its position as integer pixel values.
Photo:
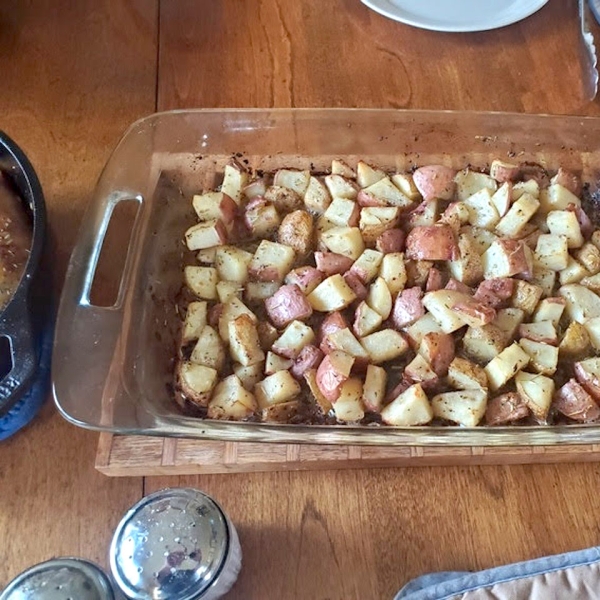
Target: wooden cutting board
(140, 455)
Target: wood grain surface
(75, 74)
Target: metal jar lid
(170, 545)
(60, 579)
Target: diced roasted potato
(340, 187)
(508, 321)
(202, 281)
(339, 167)
(506, 365)
(296, 231)
(332, 322)
(375, 220)
(545, 278)
(276, 389)
(307, 278)
(567, 180)
(466, 407)
(209, 350)
(206, 235)
(344, 240)
(531, 186)
(387, 193)
(232, 309)
(234, 181)
(482, 211)
(505, 258)
(435, 280)
(195, 321)
(384, 345)
(441, 305)
(343, 212)
(215, 206)
(408, 307)
(390, 241)
(589, 256)
(574, 272)
(422, 326)
(310, 357)
(574, 402)
(544, 357)
(541, 331)
(257, 187)
(271, 261)
(426, 214)
(456, 216)
(592, 282)
(244, 344)
(232, 263)
(292, 179)
(556, 197)
(283, 198)
(504, 409)
(260, 290)
(366, 320)
(526, 296)
(288, 304)
(437, 242)
(587, 373)
(576, 340)
(592, 326)
(393, 271)
(405, 183)
(464, 374)
(317, 196)
(495, 292)
(582, 303)
(409, 408)
(417, 272)
(468, 268)
(435, 181)
(565, 223)
(503, 171)
(293, 339)
(513, 222)
(331, 294)
(550, 309)
(366, 267)
(230, 400)
(470, 182)
(484, 343)
(323, 403)
(280, 413)
(502, 198)
(536, 391)
(334, 369)
(228, 289)
(343, 339)
(207, 256)
(438, 350)
(348, 406)
(374, 388)
(483, 238)
(367, 175)
(418, 370)
(330, 263)
(267, 334)
(380, 298)
(197, 382)
(250, 375)
(274, 363)
(261, 218)
(356, 285)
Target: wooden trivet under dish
(126, 455)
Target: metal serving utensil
(588, 54)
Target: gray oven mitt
(575, 575)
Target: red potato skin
(252, 212)
(264, 274)
(392, 240)
(402, 386)
(516, 250)
(334, 321)
(365, 199)
(356, 285)
(305, 278)
(495, 293)
(585, 224)
(438, 349)
(329, 379)
(287, 304)
(503, 172)
(310, 357)
(478, 310)
(435, 280)
(568, 180)
(458, 286)
(214, 315)
(523, 333)
(573, 401)
(435, 181)
(505, 409)
(417, 212)
(408, 307)
(435, 242)
(228, 209)
(589, 382)
(331, 263)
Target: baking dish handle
(87, 335)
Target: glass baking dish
(112, 366)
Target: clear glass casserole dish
(112, 366)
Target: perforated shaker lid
(170, 545)
(60, 579)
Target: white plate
(456, 15)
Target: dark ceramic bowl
(22, 320)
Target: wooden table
(74, 75)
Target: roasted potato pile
(405, 299)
